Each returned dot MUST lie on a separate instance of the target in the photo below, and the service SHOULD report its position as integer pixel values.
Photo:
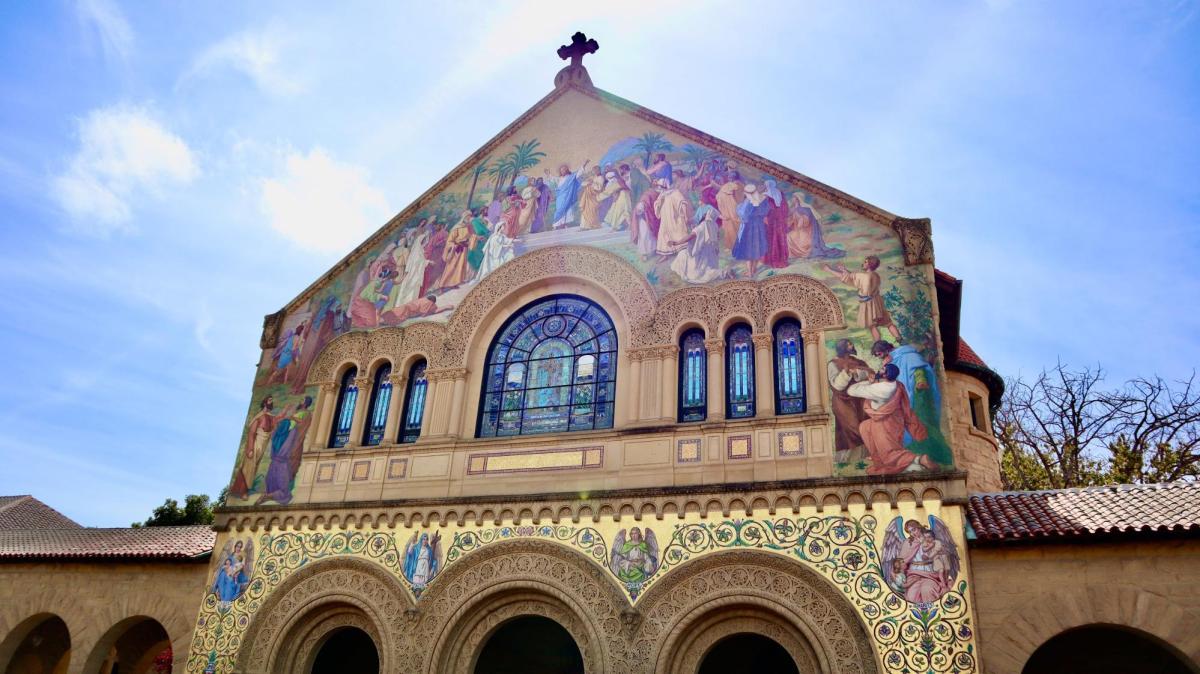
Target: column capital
(446, 373)
(762, 340)
(715, 345)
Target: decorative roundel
(554, 325)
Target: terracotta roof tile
(145, 543)
(967, 355)
(1074, 513)
(26, 512)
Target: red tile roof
(1066, 514)
(26, 512)
(967, 355)
(89, 544)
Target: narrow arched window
(552, 368)
(381, 398)
(693, 375)
(414, 403)
(739, 372)
(789, 367)
(344, 417)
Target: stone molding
(707, 501)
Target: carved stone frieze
(270, 331)
(916, 239)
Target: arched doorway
(747, 654)
(530, 644)
(45, 647)
(347, 651)
(137, 645)
(1107, 649)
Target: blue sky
(171, 172)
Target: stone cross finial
(579, 47)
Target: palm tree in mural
(697, 155)
(524, 156)
(479, 170)
(650, 143)
(500, 171)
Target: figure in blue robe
(565, 196)
(920, 382)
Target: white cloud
(123, 153)
(256, 55)
(116, 36)
(323, 204)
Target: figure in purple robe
(286, 443)
(542, 205)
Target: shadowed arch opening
(40, 645)
(347, 650)
(132, 646)
(747, 653)
(1107, 649)
(530, 643)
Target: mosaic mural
(916, 611)
(585, 173)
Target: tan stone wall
(975, 451)
(92, 598)
(1026, 595)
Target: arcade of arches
(655, 405)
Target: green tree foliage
(523, 157)
(196, 510)
(652, 142)
(1065, 429)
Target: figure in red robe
(889, 416)
(777, 227)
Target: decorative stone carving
(347, 348)
(916, 239)
(762, 340)
(270, 331)
(300, 604)
(729, 622)
(803, 603)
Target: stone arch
(628, 287)
(12, 641)
(812, 301)
(1009, 644)
(137, 640)
(347, 348)
(316, 600)
(462, 607)
(683, 614)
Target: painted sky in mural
(681, 213)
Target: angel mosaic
(422, 559)
(920, 563)
(233, 571)
(634, 558)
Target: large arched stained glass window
(739, 373)
(693, 374)
(381, 398)
(552, 368)
(789, 367)
(339, 435)
(414, 403)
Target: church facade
(618, 396)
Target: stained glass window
(414, 403)
(552, 368)
(693, 373)
(381, 397)
(347, 396)
(789, 367)
(739, 373)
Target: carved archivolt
(297, 614)
(522, 578)
(800, 602)
(651, 322)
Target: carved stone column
(635, 386)
(319, 433)
(764, 376)
(814, 389)
(398, 381)
(457, 400)
(716, 378)
(669, 376)
(444, 402)
(360, 410)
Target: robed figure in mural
(674, 212)
(889, 419)
(233, 571)
(258, 432)
(777, 224)
(697, 262)
(566, 193)
(751, 244)
(872, 314)
(920, 563)
(286, 442)
(844, 369)
(422, 559)
(287, 355)
(920, 380)
(805, 239)
(634, 559)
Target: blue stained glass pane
(789, 368)
(414, 404)
(565, 374)
(693, 372)
(739, 351)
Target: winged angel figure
(233, 571)
(634, 559)
(920, 563)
